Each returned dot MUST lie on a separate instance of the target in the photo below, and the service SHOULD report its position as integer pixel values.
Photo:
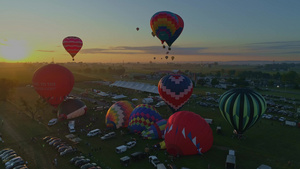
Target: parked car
(52, 122)
(282, 119)
(68, 151)
(63, 148)
(23, 166)
(8, 154)
(54, 141)
(74, 159)
(125, 160)
(88, 165)
(94, 132)
(108, 135)
(138, 156)
(131, 144)
(46, 138)
(82, 162)
(154, 161)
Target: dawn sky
(228, 30)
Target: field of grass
(268, 142)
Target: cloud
(144, 50)
(275, 48)
(45, 51)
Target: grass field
(268, 142)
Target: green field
(268, 142)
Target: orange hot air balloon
(72, 44)
(53, 83)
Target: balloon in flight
(72, 44)
(166, 26)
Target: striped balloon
(72, 44)
(142, 117)
(175, 90)
(118, 114)
(242, 108)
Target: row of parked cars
(12, 160)
(62, 147)
(84, 163)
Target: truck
(71, 126)
(121, 149)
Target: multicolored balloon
(72, 44)
(187, 133)
(156, 130)
(166, 26)
(175, 90)
(118, 114)
(142, 117)
(53, 83)
(242, 108)
(70, 109)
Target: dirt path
(18, 140)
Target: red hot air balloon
(72, 44)
(187, 133)
(53, 83)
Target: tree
(6, 88)
(39, 107)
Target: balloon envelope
(187, 133)
(175, 90)
(118, 114)
(53, 83)
(72, 44)
(242, 108)
(142, 117)
(156, 130)
(71, 108)
(167, 26)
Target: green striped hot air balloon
(242, 108)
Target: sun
(14, 50)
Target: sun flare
(14, 50)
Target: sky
(214, 30)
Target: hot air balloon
(53, 83)
(175, 90)
(142, 117)
(152, 34)
(172, 57)
(156, 130)
(187, 133)
(167, 26)
(166, 57)
(154, 58)
(71, 108)
(118, 114)
(137, 28)
(242, 108)
(72, 44)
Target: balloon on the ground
(53, 83)
(70, 109)
(118, 114)
(166, 26)
(156, 130)
(187, 133)
(175, 90)
(72, 44)
(242, 108)
(142, 117)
